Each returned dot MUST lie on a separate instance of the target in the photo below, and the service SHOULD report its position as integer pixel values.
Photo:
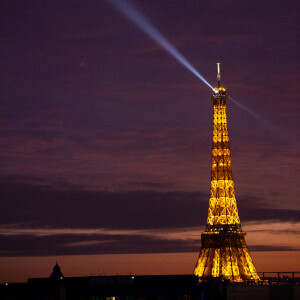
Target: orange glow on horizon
(19, 269)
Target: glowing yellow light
(224, 251)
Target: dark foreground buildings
(169, 287)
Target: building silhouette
(56, 273)
(150, 287)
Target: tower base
(225, 255)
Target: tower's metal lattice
(224, 252)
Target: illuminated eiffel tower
(224, 252)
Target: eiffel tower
(224, 252)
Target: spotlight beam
(268, 124)
(135, 16)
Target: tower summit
(224, 252)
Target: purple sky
(102, 129)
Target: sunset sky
(106, 138)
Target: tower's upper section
(222, 204)
(219, 94)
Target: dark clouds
(62, 219)
(42, 206)
(55, 245)
(20, 245)
(66, 206)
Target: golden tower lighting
(224, 252)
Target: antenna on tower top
(219, 75)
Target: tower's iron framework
(224, 252)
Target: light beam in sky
(268, 124)
(135, 16)
(141, 22)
